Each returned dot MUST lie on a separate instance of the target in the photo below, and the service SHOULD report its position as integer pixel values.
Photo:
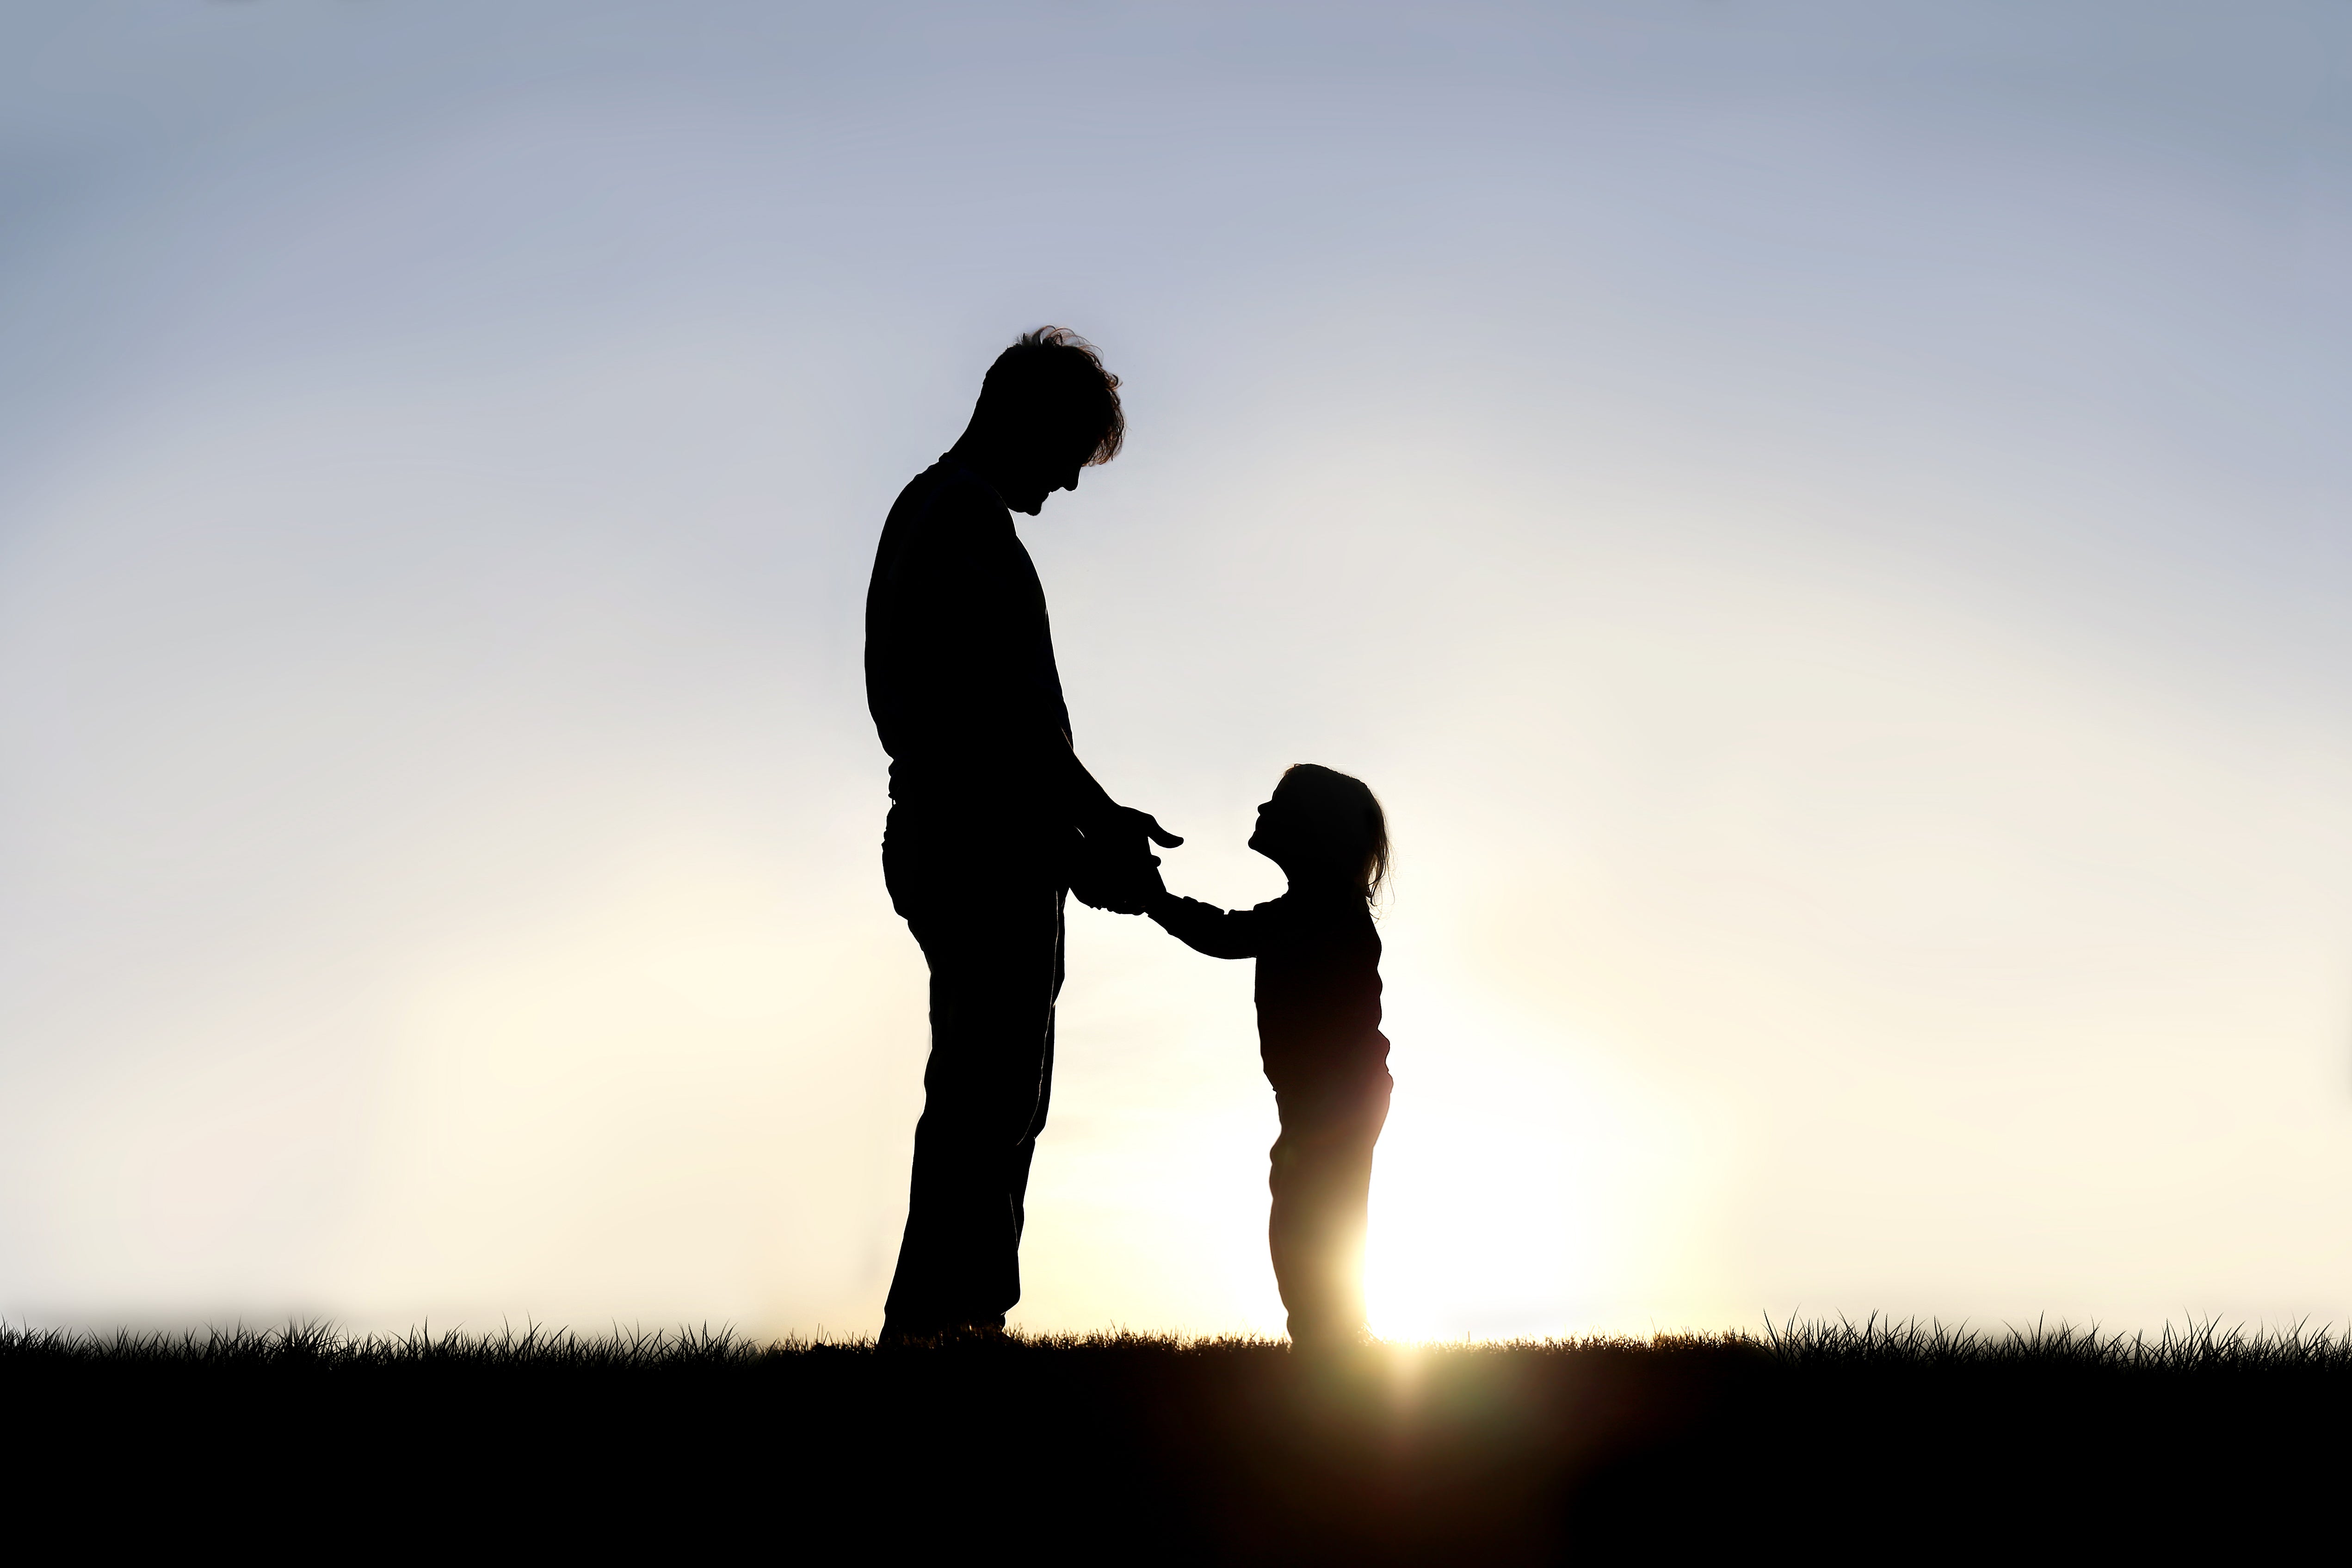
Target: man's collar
(957, 465)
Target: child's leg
(1320, 1181)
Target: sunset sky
(1828, 526)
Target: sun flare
(1526, 1213)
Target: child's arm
(1204, 928)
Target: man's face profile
(1040, 473)
(1047, 410)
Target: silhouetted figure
(993, 817)
(1319, 1026)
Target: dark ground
(1837, 1442)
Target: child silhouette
(1318, 1025)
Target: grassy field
(1839, 1441)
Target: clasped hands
(1116, 869)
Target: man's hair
(1053, 380)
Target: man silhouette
(993, 818)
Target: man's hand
(1128, 822)
(1121, 884)
(1115, 869)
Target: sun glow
(1520, 1189)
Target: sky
(1828, 526)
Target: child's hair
(1347, 822)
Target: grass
(1879, 1343)
(1879, 1440)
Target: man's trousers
(991, 929)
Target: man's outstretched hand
(1116, 869)
(1128, 822)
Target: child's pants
(1321, 1181)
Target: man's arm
(1032, 717)
(981, 613)
(1100, 816)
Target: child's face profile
(1268, 834)
(1282, 833)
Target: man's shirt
(960, 672)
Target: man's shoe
(933, 1336)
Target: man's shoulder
(946, 491)
(946, 520)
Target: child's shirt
(1319, 979)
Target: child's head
(1323, 825)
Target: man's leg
(995, 961)
(1017, 1186)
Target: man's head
(1047, 410)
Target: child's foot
(1321, 1340)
